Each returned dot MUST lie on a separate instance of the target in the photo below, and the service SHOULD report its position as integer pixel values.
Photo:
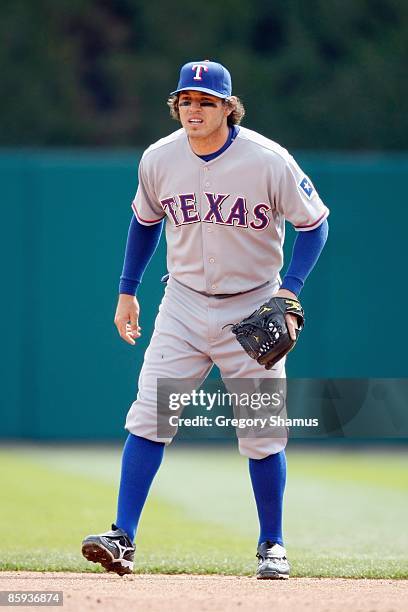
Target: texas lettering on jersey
(221, 209)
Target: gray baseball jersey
(225, 223)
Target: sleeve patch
(307, 187)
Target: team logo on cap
(307, 187)
(199, 68)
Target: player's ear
(230, 104)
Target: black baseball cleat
(272, 562)
(113, 550)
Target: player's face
(202, 116)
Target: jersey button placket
(210, 228)
(212, 285)
(206, 177)
(207, 234)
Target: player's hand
(291, 320)
(127, 318)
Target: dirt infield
(210, 593)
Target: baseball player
(223, 193)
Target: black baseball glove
(264, 334)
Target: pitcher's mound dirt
(184, 593)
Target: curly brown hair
(233, 102)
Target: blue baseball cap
(208, 77)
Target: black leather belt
(217, 296)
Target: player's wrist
(283, 292)
(126, 297)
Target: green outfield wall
(65, 372)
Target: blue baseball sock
(140, 461)
(268, 477)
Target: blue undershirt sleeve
(141, 243)
(306, 251)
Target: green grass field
(345, 512)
